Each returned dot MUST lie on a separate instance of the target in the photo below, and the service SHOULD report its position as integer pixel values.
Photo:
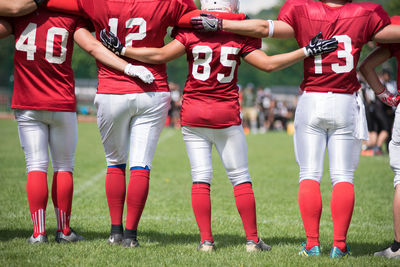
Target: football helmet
(230, 6)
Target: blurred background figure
(249, 109)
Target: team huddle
(133, 100)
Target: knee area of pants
(239, 178)
(202, 178)
(306, 174)
(394, 144)
(64, 166)
(317, 179)
(36, 168)
(396, 181)
(340, 180)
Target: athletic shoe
(129, 243)
(336, 253)
(314, 251)
(37, 240)
(72, 237)
(115, 239)
(388, 253)
(252, 246)
(206, 246)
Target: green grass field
(168, 232)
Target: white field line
(101, 174)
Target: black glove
(39, 2)
(206, 23)
(112, 42)
(319, 46)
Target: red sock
(246, 206)
(201, 204)
(342, 204)
(37, 191)
(115, 192)
(138, 190)
(310, 204)
(61, 194)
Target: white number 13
(346, 53)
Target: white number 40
(26, 43)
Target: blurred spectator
(379, 117)
(249, 109)
(176, 103)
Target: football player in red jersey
(329, 114)
(131, 113)
(367, 68)
(45, 107)
(18, 7)
(210, 113)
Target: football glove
(139, 71)
(206, 23)
(318, 46)
(39, 2)
(112, 42)
(388, 98)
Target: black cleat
(72, 237)
(129, 243)
(115, 239)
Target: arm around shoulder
(14, 8)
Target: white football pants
(131, 123)
(394, 148)
(231, 146)
(327, 121)
(40, 129)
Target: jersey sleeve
(84, 23)
(67, 6)
(180, 8)
(287, 13)
(180, 35)
(377, 21)
(251, 44)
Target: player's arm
(266, 63)
(170, 51)
(389, 34)
(257, 28)
(5, 28)
(14, 8)
(367, 69)
(152, 55)
(90, 44)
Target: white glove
(139, 71)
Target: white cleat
(37, 240)
(388, 253)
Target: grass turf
(168, 233)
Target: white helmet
(231, 6)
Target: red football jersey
(210, 96)
(137, 23)
(353, 25)
(43, 77)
